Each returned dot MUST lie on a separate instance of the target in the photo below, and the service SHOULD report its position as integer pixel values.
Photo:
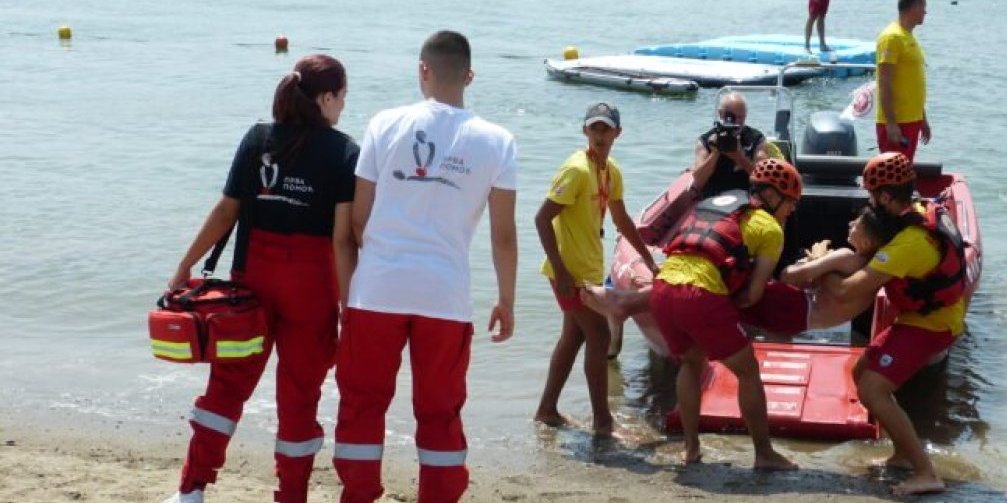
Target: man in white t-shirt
(424, 177)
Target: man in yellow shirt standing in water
(569, 222)
(902, 83)
(922, 271)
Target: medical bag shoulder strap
(265, 139)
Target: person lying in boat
(726, 154)
(718, 262)
(795, 303)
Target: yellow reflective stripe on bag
(240, 349)
(171, 350)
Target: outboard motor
(828, 134)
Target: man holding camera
(726, 154)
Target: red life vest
(712, 230)
(943, 285)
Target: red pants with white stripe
(294, 279)
(367, 363)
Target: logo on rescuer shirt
(269, 174)
(452, 164)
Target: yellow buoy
(64, 32)
(571, 52)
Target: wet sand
(72, 464)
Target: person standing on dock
(817, 9)
(902, 83)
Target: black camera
(726, 131)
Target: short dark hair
(448, 55)
(902, 193)
(879, 227)
(906, 4)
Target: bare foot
(773, 461)
(919, 485)
(898, 461)
(824, 48)
(692, 456)
(553, 419)
(605, 301)
(604, 427)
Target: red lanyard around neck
(604, 179)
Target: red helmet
(778, 174)
(889, 168)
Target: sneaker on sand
(193, 497)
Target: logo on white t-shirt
(423, 162)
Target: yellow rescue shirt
(912, 254)
(897, 46)
(761, 234)
(584, 192)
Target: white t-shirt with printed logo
(433, 166)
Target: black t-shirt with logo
(295, 193)
(726, 174)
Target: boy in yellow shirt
(569, 224)
(921, 270)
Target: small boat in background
(664, 74)
(772, 50)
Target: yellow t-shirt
(898, 47)
(578, 225)
(761, 234)
(913, 253)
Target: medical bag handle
(266, 140)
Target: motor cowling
(828, 134)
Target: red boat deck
(809, 394)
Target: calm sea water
(115, 145)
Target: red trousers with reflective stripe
(367, 363)
(294, 279)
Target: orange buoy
(281, 43)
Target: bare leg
(807, 33)
(689, 393)
(752, 402)
(828, 311)
(821, 34)
(596, 338)
(563, 357)
(618, 304)
(877, 394)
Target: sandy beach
(48, 465)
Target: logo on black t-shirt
(423, 164)
(269, 175)
(269, 172)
